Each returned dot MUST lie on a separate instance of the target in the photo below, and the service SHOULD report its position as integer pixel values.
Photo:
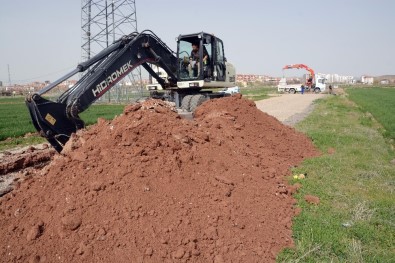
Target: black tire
(317, 90)
(196, 101)
(293, 91)
(186, 102)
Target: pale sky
(41, 39)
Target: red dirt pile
(152, 187)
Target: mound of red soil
(152, 187)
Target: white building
(336, 78)
(367, 80)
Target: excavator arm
(57, 120)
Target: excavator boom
(56, 121)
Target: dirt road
(289, 108)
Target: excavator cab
(206, 64)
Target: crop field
(257, 93)
(380, 103)
(14, 118)
(15, 121)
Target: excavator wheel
(186, 102)
(196, 101)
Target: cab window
(184, 53)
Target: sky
(41, 39)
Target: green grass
(15, 121)
(380, 103)
(13, 142)
(354, 221)
(106, 111)
(14, 118)
(257, 93)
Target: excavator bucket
(51, 121)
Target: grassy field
(14, 118)
(355, 220)
(257, 93)
(380, 103)
(105, 111)
(15, 121)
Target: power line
(42, 76)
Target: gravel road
(289, 108)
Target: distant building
(336, 78)
(1, 83)
(384, 81)
(254, 78)
(367, 80)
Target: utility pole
(9, 75)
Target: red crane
(299, 66)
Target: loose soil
(17, 164)
(150, 186)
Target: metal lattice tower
(103, 22)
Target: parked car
(231, 90)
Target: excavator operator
(194, 65)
